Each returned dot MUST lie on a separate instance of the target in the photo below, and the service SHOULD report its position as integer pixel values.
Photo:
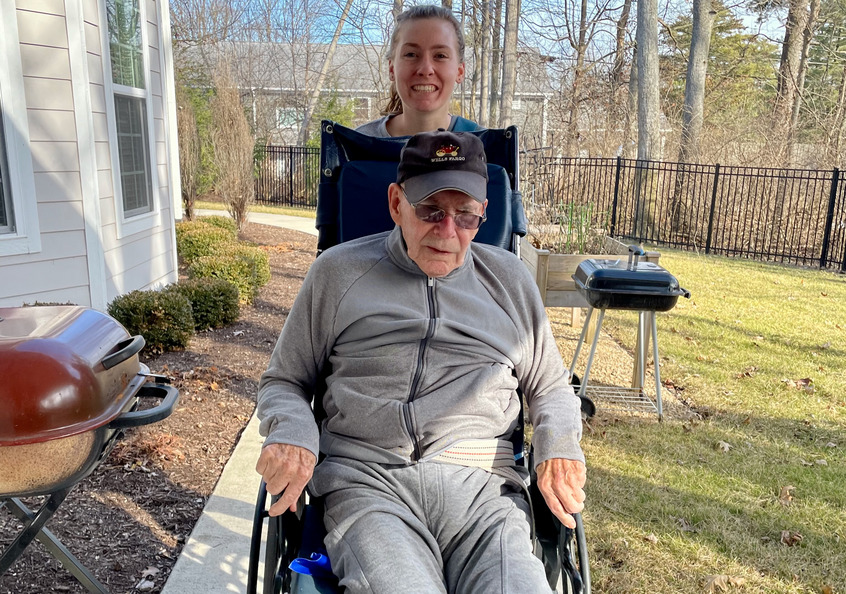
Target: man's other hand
(561, 483)
(286, 469)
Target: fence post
(713, 204)
(829, 217)
(613, 229)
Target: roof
(355, 67)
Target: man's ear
(394, 198)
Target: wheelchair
(355, 171)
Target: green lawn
(284, 210)
(759, 352)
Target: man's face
(437, 248)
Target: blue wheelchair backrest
(356, 170)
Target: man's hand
(560, 482)
(286, 469)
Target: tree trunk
(578, 75)
(485, 64)
(496, 60)
(628, 148)
(835, 139)
(446, 4)
(692, 111)
(694, 88)
(648, 115)
(509, 60)
(397, 9)
(620, 45)
(788, 78)
(327, 62)
(648, 104)
(807, 37)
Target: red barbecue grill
(629, 285)
(70, 384)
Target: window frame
(24, 235)
(127, 222)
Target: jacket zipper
(430, 293)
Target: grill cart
(70, 384)
(632, 285)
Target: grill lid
(627, 284)
(63, 370)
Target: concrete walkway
(216, 556)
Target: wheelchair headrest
(357, 169)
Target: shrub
(214, 301)
(202, 239)
(222, 222)
(163, 318)
(247, 267)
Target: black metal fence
(782, 215)
(287, 176)
(795, 216)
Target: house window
(6, 220)
(19, 226)
(126, 49)
(287, 118)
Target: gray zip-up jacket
(416, 363)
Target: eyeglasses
(429, 213)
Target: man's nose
(446, 227)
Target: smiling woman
(426, 61)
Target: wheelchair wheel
(575, 568)
(283, 534)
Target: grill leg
(581, 341)
(583, 387)
(34, 529)
(657, 366)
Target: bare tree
(807, 37)
(509, 61)
(648, 114)
(233, 144)
(580, 47)
(694, 88)
(484, 74)
(788, 77)
(648, 103)
(189, 149)
(327, 62)
(693, 109)
(496, 60)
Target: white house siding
(58, 272)
(87, 256)
(145, 259)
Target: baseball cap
(434, 161)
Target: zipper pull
(431, 281)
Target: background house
(275, 80)
(89, 177)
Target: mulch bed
(128, 521)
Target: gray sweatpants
(430, 527)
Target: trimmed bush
(222, 222)
(163, 318)
(246, 267)
(201, 240)
(214, 301)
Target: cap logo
(447, 149)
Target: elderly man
(424, 339)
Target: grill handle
(127, 348)
(136, 418)
(635, 252)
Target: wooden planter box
(553, 272)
